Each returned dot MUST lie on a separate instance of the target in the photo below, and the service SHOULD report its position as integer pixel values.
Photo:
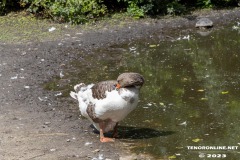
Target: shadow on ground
(126, 132)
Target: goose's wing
(99, 89)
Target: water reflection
(191, 94)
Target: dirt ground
(35, 124)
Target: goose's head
(130, 79)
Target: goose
(107, 103)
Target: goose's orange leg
(102, 138)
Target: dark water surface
(191, 96)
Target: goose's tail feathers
(77, 88)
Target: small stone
(53, 150)
(88, 143)
(96, 150)
(47, 123)
(75, 156)
(24, 53)
(204, 23)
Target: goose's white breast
(116, 106)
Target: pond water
(191, 96)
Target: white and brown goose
(108, 102)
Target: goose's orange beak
(118, 86)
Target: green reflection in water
(191, 92)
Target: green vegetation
(29, 28)
(80, 11)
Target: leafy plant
(135, 11)
(138, 8)
(77, 11)
(5, 4)
(80, 11)
(2, 6)
(204, 3)
(37, 6)
(74, 11)
(175, 8)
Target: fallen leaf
(146, 121)
(58, 94)
(179, 147)
(152, 45)
(224, 92)
(183, 123)
(172, 157)
(204, 99)
(196, 140)
(200, 90)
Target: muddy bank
(39, 124)
(147, 28)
